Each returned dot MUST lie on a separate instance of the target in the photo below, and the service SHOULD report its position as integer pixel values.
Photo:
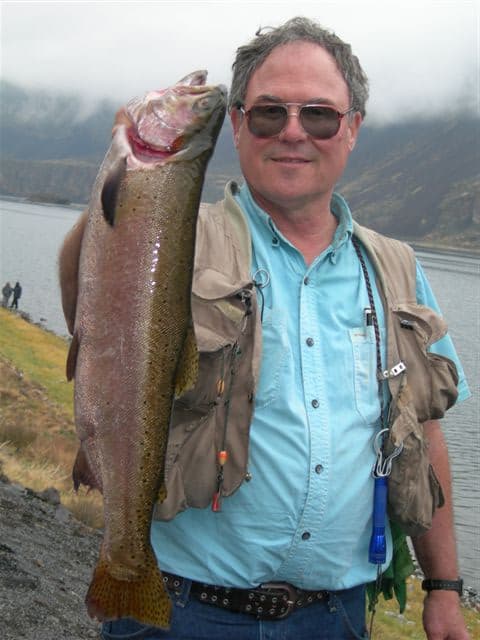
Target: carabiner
(383, 465)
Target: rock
(50, 495)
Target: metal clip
(396, 370)
(407, 324)
(261, 278)
(383, 464)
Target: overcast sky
(419, 56)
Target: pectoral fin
(187, 370)
(111, 188)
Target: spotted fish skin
(133, 345)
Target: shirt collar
(260, 218)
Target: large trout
(133, 346)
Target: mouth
(150, 154)
(290, 160)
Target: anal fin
(83, 473)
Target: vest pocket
(413, 489)
(433, 378)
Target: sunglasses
(269, 120)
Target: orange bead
(222, 457)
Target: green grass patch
(38, 354)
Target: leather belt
(269, 601)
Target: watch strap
(443, 585)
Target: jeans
(340, 616)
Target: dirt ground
(46, 562)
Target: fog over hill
(415, 179)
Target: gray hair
(250, 56)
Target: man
(281, 459)
(6, 293)
(17, 292)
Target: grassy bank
(38, 446)
(38, 443)
(40, 355)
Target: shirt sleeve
(444, 346)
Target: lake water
(30, 237)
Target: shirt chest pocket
(364, 362)
(276, 354)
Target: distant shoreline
(43, 203)
(467, 252)
(417, 245)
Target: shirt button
(310, 342)
(275, 241)
(315, 404)
(306, 280)
(319, 468)
(305, 535)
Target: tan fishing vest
(216, 415)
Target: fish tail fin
(145, 599)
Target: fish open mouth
(148, 154)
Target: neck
(310, 228)
(310, 236)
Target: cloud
(420, 56)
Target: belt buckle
(291, 596)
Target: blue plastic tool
(377, 551)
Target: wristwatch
(444, 585)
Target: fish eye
(203, 103)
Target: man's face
(293, 170)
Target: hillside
(418, 180)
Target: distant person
(6, 293)
(17, 293)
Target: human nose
(293, 130)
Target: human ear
(353, 129)
(236, 119)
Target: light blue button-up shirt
(305, 517)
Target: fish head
(173, 124)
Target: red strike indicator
(222, 457)
(216, 502)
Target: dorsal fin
(110, 189)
